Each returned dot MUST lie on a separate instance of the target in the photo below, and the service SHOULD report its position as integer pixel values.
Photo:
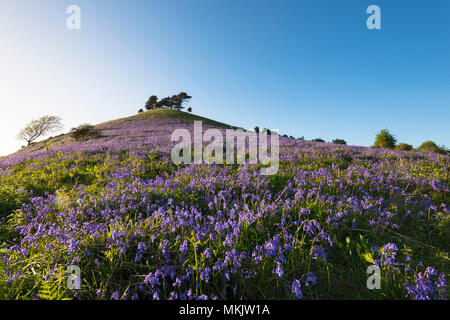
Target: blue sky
(307, 68)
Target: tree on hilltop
(180, 99)
(174, 102)
(151, 102)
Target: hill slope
(140, 227)
(153, 125)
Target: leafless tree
(40, 127)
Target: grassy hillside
(140, 227)
(150, 123)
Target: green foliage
(174, 102)
(404, 147)
(84, 132)
(431, 147)
(339, 141)
(319, 140)
(256, 129)
(343, 276)
(384, 139)
(151, 103)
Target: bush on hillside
(404, 147)
(431, 147)
(339, 141)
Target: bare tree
(40, 127)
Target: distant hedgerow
(339, 141)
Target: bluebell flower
(296, 289)
(278, 270)
(115, 296)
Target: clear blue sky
(308, 68)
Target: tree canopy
(385, 139)
(339, 141)
(431, 147)
(174, 102)
(404, 147)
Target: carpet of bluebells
(140, 227)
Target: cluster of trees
(175, 102)
(385, 139)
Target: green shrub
(84, 132)
(404, 147)
(319, 140)
(431, 147)
(339, 141)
